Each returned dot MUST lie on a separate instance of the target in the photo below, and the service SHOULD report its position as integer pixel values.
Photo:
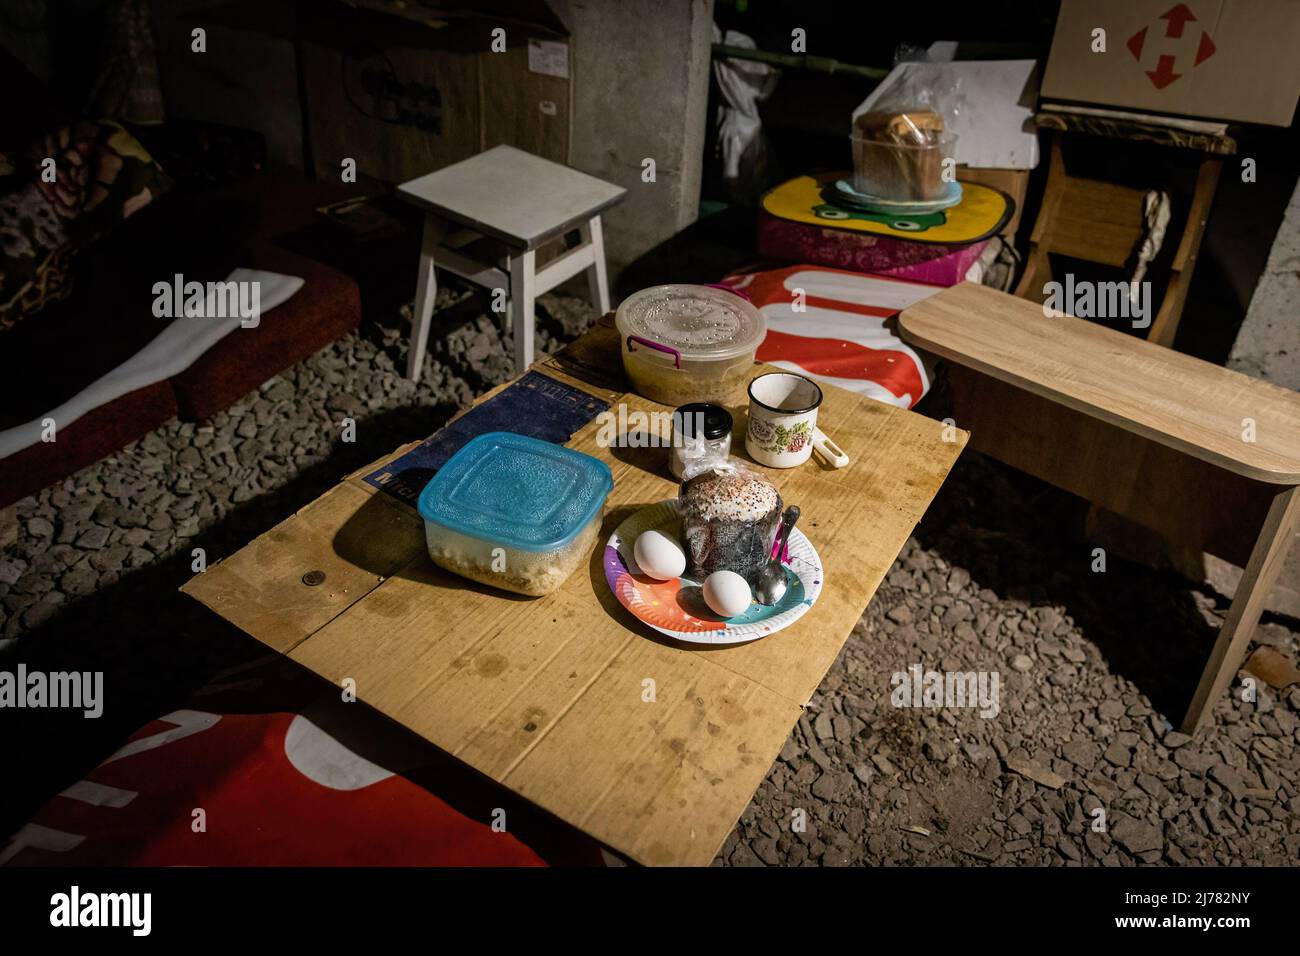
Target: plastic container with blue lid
(515, 512)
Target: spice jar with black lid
(700, 430)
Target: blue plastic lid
(517, 491)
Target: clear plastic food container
(515, 512)
(901, 172)
(689, 343)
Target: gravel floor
(996, 579)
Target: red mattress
(268, 766)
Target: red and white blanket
(837, 326)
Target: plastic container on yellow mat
(689, 343)
(901, 172)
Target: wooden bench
(1200, 454)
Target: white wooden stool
(519, 201)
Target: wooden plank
(565, 266)
(523, 294)
(593, 233)
(545, 695)
(1186, 123)
(426, 294)
(1157, 486)
(663, 782)
(509, 676)
(1038, 264)
(1174, 399)
(548, 696)
(1234, 637)
(874, 491)
(353, 538)
(480, 273)
(1097, 221)
(1134, 127)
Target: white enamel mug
(782, 429)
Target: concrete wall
(1268, 344)
(640, 90)
(640, 74)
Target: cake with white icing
(729, 520)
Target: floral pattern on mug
(761, 431)
(777, 439)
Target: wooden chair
(1204, 456)
(1101, 222)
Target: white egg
(726, 593)
(658, 556)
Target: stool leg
(426, 291)
(597, 283)
(522, 293)
(1234, 637)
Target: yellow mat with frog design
(982, 212)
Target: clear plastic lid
(698, 321)
(517, 491)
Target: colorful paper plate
(677, 608)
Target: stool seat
(511, 195)
(514, 202)
(1174, 399)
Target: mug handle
(827, 450)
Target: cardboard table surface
(650, 746)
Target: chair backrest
(1097, 221)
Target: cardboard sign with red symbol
(1165, 72)
(1218, 59)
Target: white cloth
(171, 352)
(743, 84)
(1155, 218)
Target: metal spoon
(771, 580)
